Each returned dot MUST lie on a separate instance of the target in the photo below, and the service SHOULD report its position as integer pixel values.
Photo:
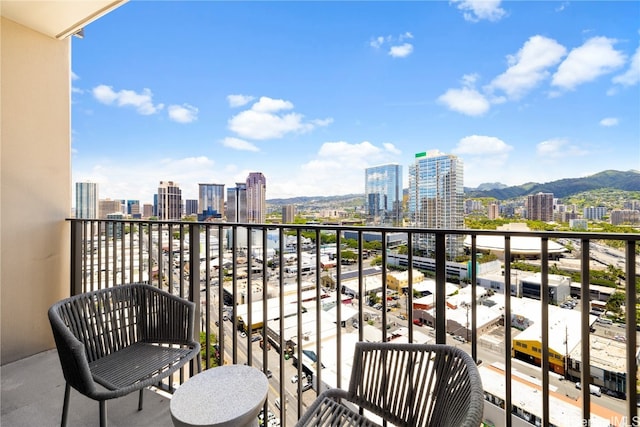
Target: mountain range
(618, 180)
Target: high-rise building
(169, 201)
(211, 201)
(133, 208)
(86, 200)
(436, 198)
(107, 207)
(383, 194)
(625, 216)
(594, 213)
(288, 214)
(540, 207)
(236, 210)
(493, 211)
(256, 198)
(191, 207)
(147, 210)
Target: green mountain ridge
(619, 180)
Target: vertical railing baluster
(249, 301)
(194, 286)
(409, 303)
(544, 298)
(441, 286)
(630, 318)
(281, 343)
(507, 329)
(338, 307)
(318, 373)
(170, 259)
(207, 293)
(159, 255)
(361, 286)
(474, 296)
(234, 291)
(265, 296)
(114, 243)
(299, 333)
(77, 244)
(385, 318)
(585, 344)
(221, 329)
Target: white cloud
(262, 120)
(529, 66)
(391, 148)
(269, 105)
(183, 113)
(239, 144)
(466, 101)
(239, 100)
(609, 121)
(477, 10)
(338, 166)
(480, 145)
(74, 76)
(586, 63)
(558, 148)
(397, 49)
(142, 102)
(401, 51)
(377, 42)
(630, 77)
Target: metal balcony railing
(296, 298)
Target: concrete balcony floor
(32, 394)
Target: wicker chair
(405, 385)
(118, 340)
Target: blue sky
(312, 93)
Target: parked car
(294, 379)
(593, 389)
(307, 386)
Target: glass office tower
(383, 194)
(436, 198)
(210, 201)
(86, 200)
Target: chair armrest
(72, 354)
(169, 318)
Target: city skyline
(318, 92)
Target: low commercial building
(399, 280)
(608, 357)
(559, 287)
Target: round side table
(226, 396)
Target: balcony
(308, 303)
(41, 264)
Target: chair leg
(65, 405)
(140, 400)
(103, 413)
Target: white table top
(226, 396)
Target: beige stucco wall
(35, 186)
